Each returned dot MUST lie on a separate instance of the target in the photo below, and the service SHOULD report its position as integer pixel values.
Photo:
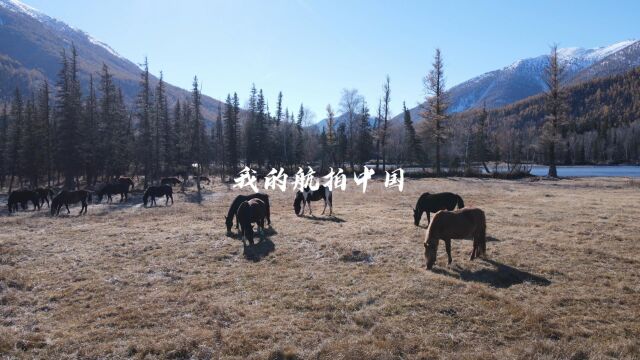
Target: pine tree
(160, 129)
(219, 143)
(15, 137)
(259, 131)
(436, 110)
(198, 145)
(68, 114)
(144, 109)
(178, 138)
(386, 99)
(232, 109)
(44, 120)
(411, 140)
(29, 149)
(106, 161)
(90, 130)
(555, 106)
(4, 127)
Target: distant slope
(525, 78)
(598, 104)
(30, 47)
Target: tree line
(60, 135)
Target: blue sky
(311, 50)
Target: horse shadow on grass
(259, 250)
(329, 218)
(500, 276)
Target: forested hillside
(601, 124)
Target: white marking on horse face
(305, 195)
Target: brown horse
(458, 224)
(251, 211)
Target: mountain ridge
(32, 43)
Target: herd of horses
(448, 222)
(122, 186)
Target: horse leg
(428, 217)
(447, 243)
(474, 251)
(325, 206)
(67, 206)
(310, 212)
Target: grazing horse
(307, 196)
(431, 203)
(70, 197)
(157, 191)
(114, 189)
(172, 181)
(249, 212)
(44, 195)
(458, 224)
(22, 197)
(205, 179)
(233, 209)
(126, 181)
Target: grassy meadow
(561, 279)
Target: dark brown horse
(157, 191)
(233, 209)
(307, 196)
(66, 198)
(126, 181)
(431, 203)
(205, 179)
(44, 195)
(22, 197)
(172, 181)
(114, 189)
(458, 224)
(249, 212)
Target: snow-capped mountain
(30, 47)
(525, 77)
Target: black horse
(67, 198)
(114, 189)
(172, 181)
(44, 195)
(22, 197)
(251, 211)
(307, 196)
(431, 203)
(157, 191)
(233, 209)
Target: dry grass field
(561, 280)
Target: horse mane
(431, 229)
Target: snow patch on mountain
(20, 7)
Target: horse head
(416, 216)
(145, 197)
(228, 221)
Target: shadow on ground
(498, 276)
(259, 250)
(331, 218)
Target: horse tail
(460, 202)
